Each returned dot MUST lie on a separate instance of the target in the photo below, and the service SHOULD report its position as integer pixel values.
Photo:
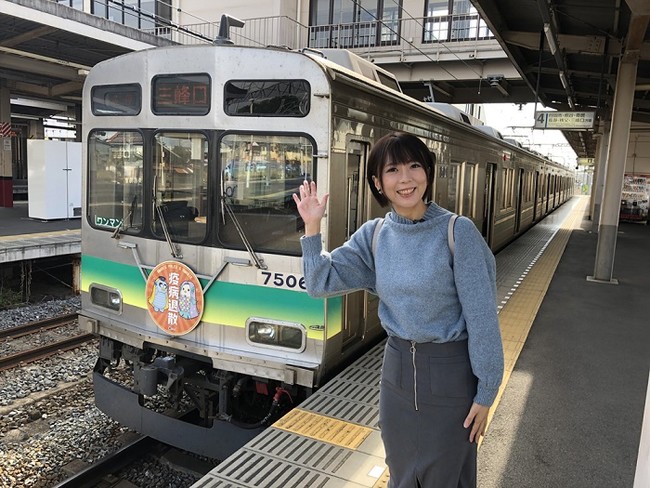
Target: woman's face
(404, 184)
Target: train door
(520, 196)
(354, 306)
(488, 204)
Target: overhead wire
(185, 30)
(438, 40)
(405, 40)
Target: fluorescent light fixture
(502, 89)
(563, 79)
(571, 104)
(552, 45)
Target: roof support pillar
(600, 169)
(616, 157)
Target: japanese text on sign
(565, 120)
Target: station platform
(571, 412)
(22, 237)
(571, 407)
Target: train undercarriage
(182, 400)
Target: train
(191, 273)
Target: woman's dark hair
(398, 147)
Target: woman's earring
(379, 190)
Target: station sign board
(565, 120)
(585, 161)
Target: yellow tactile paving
(518, 315)
(322, 428)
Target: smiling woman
(434, 378)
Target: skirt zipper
(415, 377)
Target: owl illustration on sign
(187, 300)
(158, 298)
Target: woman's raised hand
(311, 209)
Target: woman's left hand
(477, 419)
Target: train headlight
(109, 298)
(276, 334)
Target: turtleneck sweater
(426, 294)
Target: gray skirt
(425, 395)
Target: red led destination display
(181, 94)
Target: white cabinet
(54, 179)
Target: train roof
(359, 65)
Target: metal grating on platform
(277, 458)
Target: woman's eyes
(393, 168)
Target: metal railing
(400, 38)
(408, 34)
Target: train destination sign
(565, 120)
(181, 94)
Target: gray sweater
(424, 297)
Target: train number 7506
(281, 280)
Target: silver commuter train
(191, 262)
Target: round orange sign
(174, 297)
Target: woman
(443, 361)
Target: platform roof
(45, 49)
(582, 42)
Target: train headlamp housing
(104, 297)
(276, 334)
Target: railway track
(102, 472)
(13, 360)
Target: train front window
(180, 173)
(115, 190)
(271, 98)
(259, 175)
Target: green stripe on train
(225, 303)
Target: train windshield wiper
(173, 248)
(259, 262)
(120, 228)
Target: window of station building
(148, 15)
(453, 20)
(180, 181)
(78, 4)
(259, 175)
(354, 23)
(273, 98)
(115, 180)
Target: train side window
(259, 175)
(274, 98)
(115, 189)
(508, 187)
(469, 190)
(180, 172)
(452, 187)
